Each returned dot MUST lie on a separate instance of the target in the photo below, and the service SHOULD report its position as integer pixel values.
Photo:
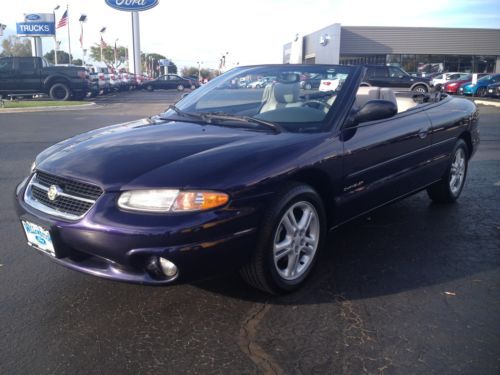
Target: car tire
(180, 88)
(59, 91)
(193, 87)
(449, 188)
(149, 87)
(422, 89)
(308, 86)
(277, 267)
(481, 92)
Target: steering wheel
(317, 104)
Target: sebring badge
(53, 192)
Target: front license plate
(39, 238)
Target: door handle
(422, 133)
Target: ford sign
(132, 5)
(32, 17)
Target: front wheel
(481, 92)
(448, 189)
(180, 88)
(291, 235)
(149, 87)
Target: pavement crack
(248, 340)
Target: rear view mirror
(375, 110)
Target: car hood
(494, 85)
(146, 154)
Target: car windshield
(292, 97)
(485, 78)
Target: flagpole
(69, 37)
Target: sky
(251, 32)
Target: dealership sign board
(37, 24)
(132, 5)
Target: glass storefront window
(484, 64)
(466, 64)
(394, 60)
(408, 63)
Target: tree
(151, 64)
(77, 62)
(108, 54)
(192, 71)
(14, 46)
(62, 57)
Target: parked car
(439, 80)
(102, 74)
(494, 90)
(258, 84)
(115, 81)
(166, 82)
(394, 77)
(453, 87)
(194, 82)
(94, 88)
(229, 179)
(480, 88)
(34, 75)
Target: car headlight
(170, 200)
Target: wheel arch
(466, 137)
(322, 184)
(420, 84)
(51, 80)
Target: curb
(487, 102)
(45, 109)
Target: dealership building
(415, 49)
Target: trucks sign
(132, 5)
(37, 24)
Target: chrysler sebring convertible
(246, 179)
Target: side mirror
(375, 110)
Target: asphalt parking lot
(412, 289)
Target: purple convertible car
(248, 179)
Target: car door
(174, 81)
(383, 160)
(27, 74)
(377, 76)
(7, 81)
(398, 78)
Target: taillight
(82, 74)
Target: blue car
(480, 88)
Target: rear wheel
(308, 86)
(180, 88)
(449, 188)
(149, 87)
(292, 234)
(420, 89)
(59, 91)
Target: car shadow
(404, 246)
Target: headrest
(286, 92)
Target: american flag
(64, 20)
(103, 43)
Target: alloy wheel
(296, 240)
(457, 171)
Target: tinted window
(395, 72)
(26, 64)
(377, 72)
(6, 64)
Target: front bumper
(118, 245)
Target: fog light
(168, 268)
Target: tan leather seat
(280, 95)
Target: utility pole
(55, 32)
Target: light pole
(2, 28)
(84, 54)
(55, 37)
(83, 18)
(199, 70)
(116, 40)
(102, 40)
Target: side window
(496, 79)
(6, 64)
(453, 76)
(26, 64)
(395, 72)
(173, 78)
(377, 72)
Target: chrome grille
(73, 200)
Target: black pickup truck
(34, 75)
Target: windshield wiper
(182, 113)
(222, 116)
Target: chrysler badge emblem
(53, 192)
